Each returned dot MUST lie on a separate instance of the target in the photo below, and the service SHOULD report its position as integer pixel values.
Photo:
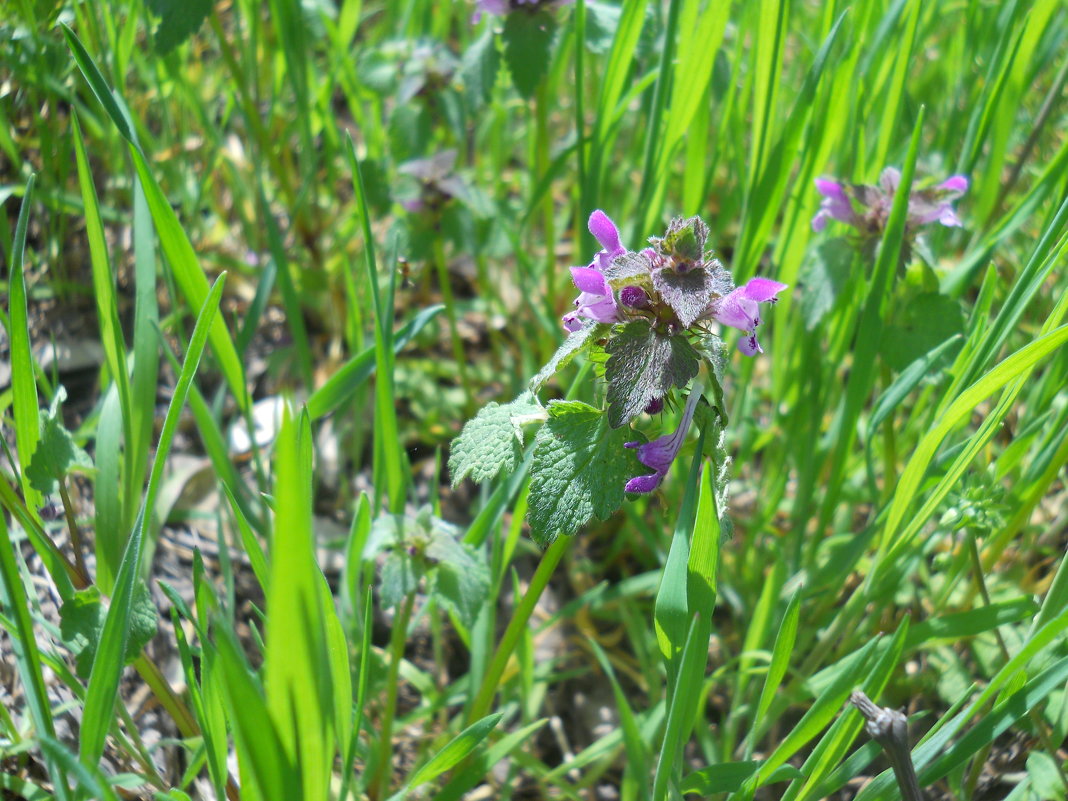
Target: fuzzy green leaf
(82, 619)
(688, 293)
(400, 576)
(57, 454)
(179, 19)
(824, 278)
(629, 269)
(576, 342)
(527, 41)
(479, 68)
(461, 577)
(685, 239)
(644, 365)
(493, 440)
(580, 468)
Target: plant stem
(398, 636)
(890, 729)
(488, 689)
(76, 543)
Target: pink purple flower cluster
(867, 208)
(674, 288)
(502, 7)
(597, 301)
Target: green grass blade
(387, 441)
(175, 243)
(457, 749)
(267, 769)
(102, 691)
(637, 751)
(681, 706)
(23, 380)
(111, 336)
(27, 657)
(780, 661)
(145, 348)
(297, 667)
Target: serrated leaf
(576, 342)
(688, 293)
(179, 19)
(82, 619)
(57, 454)
(528, 39)
(825, 276)
(461, 577)
(493, 440)
(685, 239)
(400, 576)
(479, 68)
(579, 470)
(643, 365)
(629, 269)
(929, 320)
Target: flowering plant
(645, 317)
(867, 208)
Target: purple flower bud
(656, 405)
(634, 296)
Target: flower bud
(634, 296)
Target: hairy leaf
(929, 320)
(580, 468)
(527, 41)
(825, 275)
(478, 71)
(493, 440)
(461, 577)
(400, 576)
(629, 269)
(643, 365)
(688, 293)
(576, 342)
(82, 619)
(57, 454)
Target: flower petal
(762, 290)
(749, 345)
(588, 279)
(830, 189)
(737, 311)
(605, 231)
(955, 183)
(661, 452)
(889, 180)
(949, 217)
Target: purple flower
(596, 300)
(502, 7)
(661, 452)
(739, 310)
(867, 208)
(835, 206)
